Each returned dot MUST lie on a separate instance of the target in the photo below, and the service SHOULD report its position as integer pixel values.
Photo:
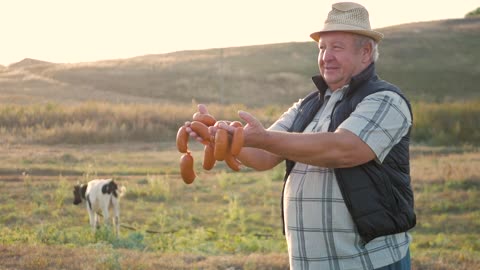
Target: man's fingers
(227, 127)
(202, 109)
(248, 117)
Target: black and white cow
(100, 195)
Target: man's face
(339, 58)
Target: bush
(95, 123)
(446, 123)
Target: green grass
(165, 213)
(221, 213)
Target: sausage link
(186, 168)
(237, 141)
(205, 118)
(201, 129)
(182, 139)
(232, 162)
(208, 157)
(236, 124)
(221, 144)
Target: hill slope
(436, 60)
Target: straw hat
(348, 17)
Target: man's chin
(329, 80)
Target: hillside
(427, 60)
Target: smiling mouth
(330, 70)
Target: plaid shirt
(320, 232)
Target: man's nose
(327, 56)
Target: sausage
(236, 124)
(182, 139)
(237, 141)
(205, 118)
(232, 162)
(221, 144)
(201, 129)
(208, 157)
(186, 168)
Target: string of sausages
(220, 147)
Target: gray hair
(363, 40)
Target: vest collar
(367, 74)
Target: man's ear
(367, 53)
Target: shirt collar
(339, 92)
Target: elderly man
(347, 199)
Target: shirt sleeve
(286, 120)
(380, 120)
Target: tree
(473, 14)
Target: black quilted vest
(379, 197)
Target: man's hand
(202, 109)
(254, 133)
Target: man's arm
(338, 149)
(258, 159)
(325, 149)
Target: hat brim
(377, 36)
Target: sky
(72, 31)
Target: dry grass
(440, 164)
(103, 257)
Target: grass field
(61, 124)
(223, 220)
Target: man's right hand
(254, 133)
